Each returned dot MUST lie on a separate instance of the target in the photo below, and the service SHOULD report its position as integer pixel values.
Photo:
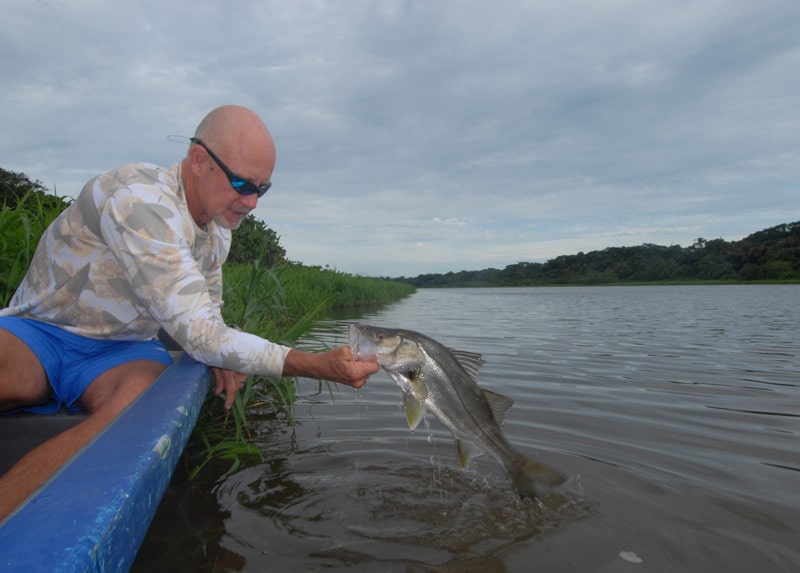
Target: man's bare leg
(22, 378)
(103, 399)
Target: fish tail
(526, 473)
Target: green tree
(14, 186)
(254, 241)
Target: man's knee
(113, 390)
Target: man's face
(219, 200)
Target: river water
(675, 410)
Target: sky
(426, 136)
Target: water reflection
(187, 532)
(340, 512)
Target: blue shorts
(72, 362)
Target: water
(674, 409)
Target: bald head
(228, 123)
(237, 134)
(239, 140)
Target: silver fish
(443, 381)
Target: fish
(443, 381)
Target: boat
(93, 513)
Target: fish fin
(499, 405)
(526, 473)
(470, 361)
(466, 451)
(414, 410)
(418, 384)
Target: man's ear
(198, 160)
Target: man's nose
(249, 201)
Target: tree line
(771, 254)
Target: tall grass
(21, 227)
(308, 287)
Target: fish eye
(380, 336)
(412, 373)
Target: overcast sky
(431, 136)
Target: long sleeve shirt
(126, 258)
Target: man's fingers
(229, 382)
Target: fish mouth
(361, 347)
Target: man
(140, 249)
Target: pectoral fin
(418, 385)
(414, 410)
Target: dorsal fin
(499, 405)
(470, 361)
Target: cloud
(432, 136)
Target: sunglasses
(241, 185)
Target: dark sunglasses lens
(243, 187)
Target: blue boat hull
(93, 514)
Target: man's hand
(229, 382)
(337, 365)
(347, 370)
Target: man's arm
(337, 365)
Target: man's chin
(231, 222)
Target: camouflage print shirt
(127, 258)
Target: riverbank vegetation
(772, 255)
(26, 209)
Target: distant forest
(769, 255)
